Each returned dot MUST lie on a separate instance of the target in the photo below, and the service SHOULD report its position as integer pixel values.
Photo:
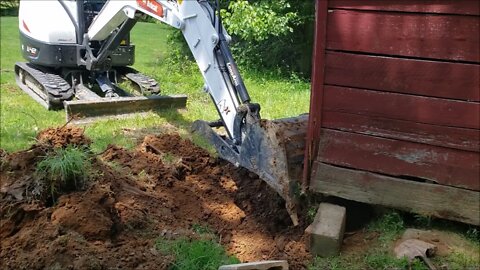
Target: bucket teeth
(273, 149)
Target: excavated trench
(163, 189)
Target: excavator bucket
(273, 149)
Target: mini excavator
(78, 51)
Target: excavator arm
(271, 149)
(206, 38)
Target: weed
(201, 229)
(329, 263)
(459, 260)
(390, 225)
(195, 254)
(143, 176)
(202, 142)
(311, 212)
(423, 221)
(169, 159)
(473, 234)
(63, 170)
(115, 165)
(383, 260)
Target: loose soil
(164, 189)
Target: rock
(262, 265)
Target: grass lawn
(22, 117)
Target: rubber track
(148, 85)
(56, 88)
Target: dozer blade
(91, 107)
(273, 149)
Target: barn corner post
(317, 85)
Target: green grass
(378, 253)
(63, 170)
(195, 254)
(22, 117)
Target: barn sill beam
(423, 198)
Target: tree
(272, 34)
(9, 7)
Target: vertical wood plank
(317, 85)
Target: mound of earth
(62, 136)
(164, 189)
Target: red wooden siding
(463, 7)
(409, 76)
(412, 35)
(450, 137)
(399, 158)
(419, 109)
(397, 94)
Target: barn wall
(395, 93)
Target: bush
(267, 35)
(9, 7)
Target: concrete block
(262, 265)
(326, 231)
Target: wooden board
(467, 7)
(407, 34)
(423, 198)
(399, 158)
(419, 109)
(419, 77)
(451, 137)
(317, 85)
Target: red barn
(395, 112)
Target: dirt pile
(62, 136)
(163, 189)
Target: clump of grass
(329, 263)
(422, 221)
(195, 254)
(390, 225)
(311, 213)
(201, 229)
(383, 260)
(63, 170)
